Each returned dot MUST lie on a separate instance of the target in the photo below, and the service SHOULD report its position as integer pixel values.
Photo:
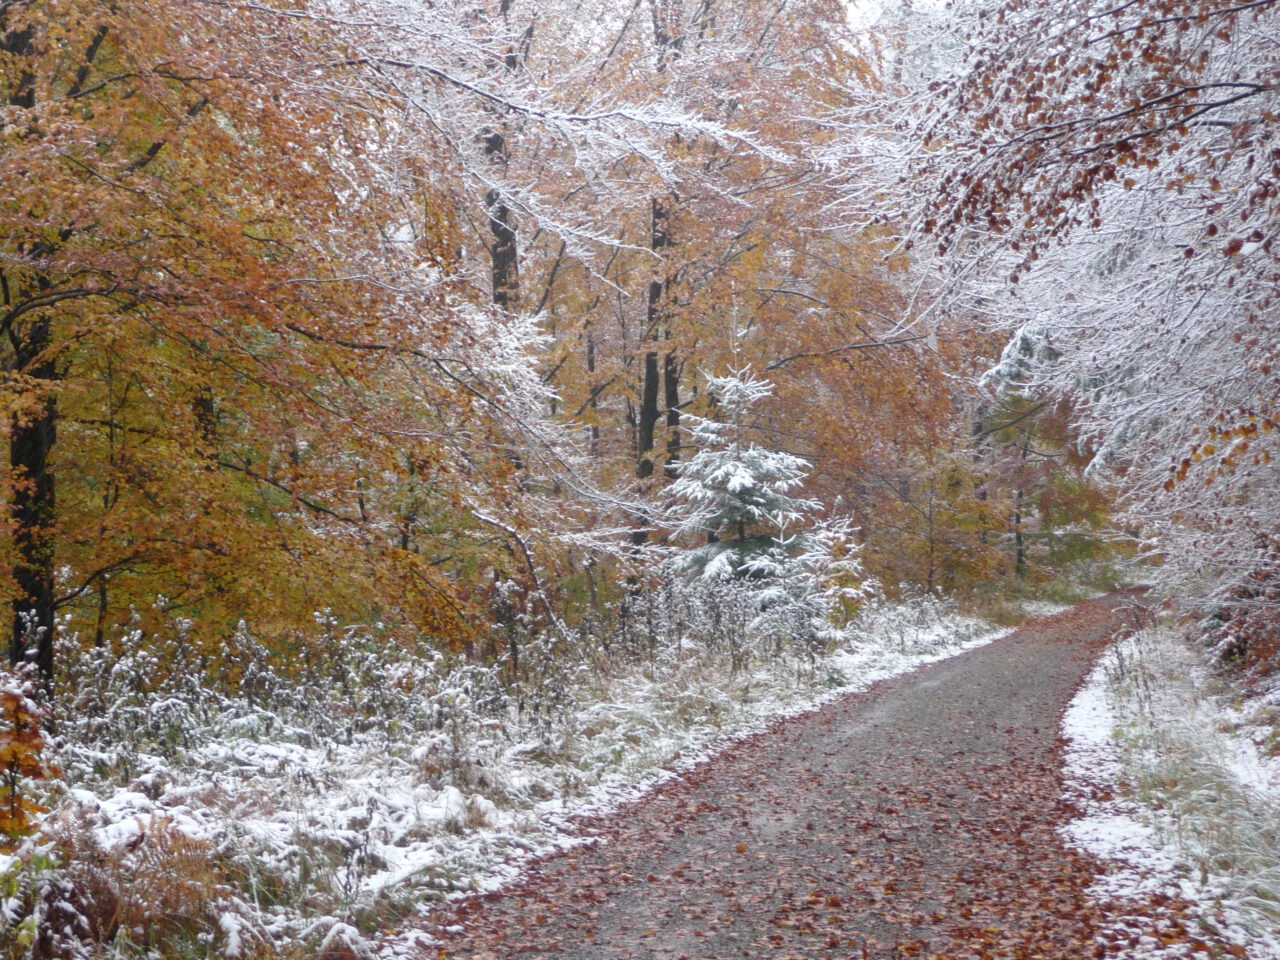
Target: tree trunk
(655, 329)
(647, 422)
(505, 250)
(30, 445)
(1019, 544)
(205, 413)
(595, 401)
(34, 429)
(671, 386)
(1019, 541)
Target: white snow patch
(1145, 846)
(1043, 608)
(408, 815)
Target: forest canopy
(409, 314)
(374, 307)
(421, 413)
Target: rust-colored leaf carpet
(918, 819)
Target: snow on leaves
(1117, 161)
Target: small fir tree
(803, 572)
(736, 494)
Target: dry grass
(1185, 742)
(161, 891)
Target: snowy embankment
(1180, 795)
(303, 823)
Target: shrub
(21, 758)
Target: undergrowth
(1013, 601)
(221, 803)
(1200, 761)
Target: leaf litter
(923, 818)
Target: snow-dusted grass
(328, 809)
(1180, 785)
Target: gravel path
(916, 819)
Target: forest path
(916, 819)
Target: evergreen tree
(802, 572)
(736, 494)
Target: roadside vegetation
(304, 816)
(1178, 776)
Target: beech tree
(232, 333)
(1113, 169)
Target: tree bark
(655, 324)
(1019, 544)
(504, 251)
(671, 385)
(647, 422)
(34, 430)
(31, 442)
(595, 401)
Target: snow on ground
(338, 832)
(889, 643)
(1044, 608)
(1177, 796)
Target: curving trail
(916, 819)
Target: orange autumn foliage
(21, 760)
(238, 343)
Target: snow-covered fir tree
(736, 494)
(736, 498)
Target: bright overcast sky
(864, 12)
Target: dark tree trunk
(648, 417)
(669, 36)
(595, 401)
(30, 445)
(1019, 543)
(655, 324)
(646, 424)
(100, 624)
(504, 252)
(671, 386)
(205, 412)
(33, 432)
